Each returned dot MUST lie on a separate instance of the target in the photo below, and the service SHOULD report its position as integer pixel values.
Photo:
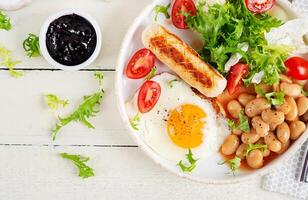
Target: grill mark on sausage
(171, 52)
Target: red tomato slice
(179, 6)
(259, 6)
(297, 68)
(148, 96)
(140, 64)
(235, 76)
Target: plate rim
(150, 153)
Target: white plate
(207, 171)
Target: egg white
(152, 125)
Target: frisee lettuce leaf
(5, 21)
(191, 160)
(224, 26)
(53, 101)
(243, 123)
(32, 46)
(79, 161)
(161, 9)
(99, 76)
(9, 62)
(274, 98)
(233, 163)
(152, 73)
(252, 147)
(88, 108)
(134, 122)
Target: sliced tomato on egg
(148, 96)
(259, 6)
(235, 76)
(297, 68)
(179, 6)
(140, 64)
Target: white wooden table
(30, 167)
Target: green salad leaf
(274, 98)
(79, 161)
(224, 27)
(134, 122)
(162, 9)
(9, 62)
(252, 147)
(88, 108)
(54, 102)
(5, 21)
(151, 74)
(191, 160)
(234, 163)
(32, 46)
(304, 92)
(99, 76)
(243, 123)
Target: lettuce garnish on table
(224, 27)
(5, 21)
(79, 161)
(32, 46)
(7, 60)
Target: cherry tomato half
(140, 64)
(179, 6)
(259, 6)
(297, 68)
(148, 96)
(235, 76)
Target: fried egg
(179, 121)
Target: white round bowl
(43, 46)
(212, 172)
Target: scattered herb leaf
(243, 123)
(152, 73)
(274, 98)
(32, 46)
(162, 9)
(191, 160)
(233, 163)
(99, 76)
(88, 108)
(79, 161)
(7, 60)
(134, 122)
(304, 92)
(53, 101)
(5, 21)
(252, 147)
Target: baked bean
(240, 152)
(272, 142)
(244, 98)
(285, 107)
(292, 114)
(256, 106)
(261, 127)
(251, 137)
(265, 87)
(296, 129)
(234, 108)
(273, 118)
(230, 144)
(285, 78)
(284, 147)
(302, 105)
(255, 159)
(266, 152)
(283, 132)
(292, 90)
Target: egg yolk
(185, 124)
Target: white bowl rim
(43, 46)
(150, 153)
